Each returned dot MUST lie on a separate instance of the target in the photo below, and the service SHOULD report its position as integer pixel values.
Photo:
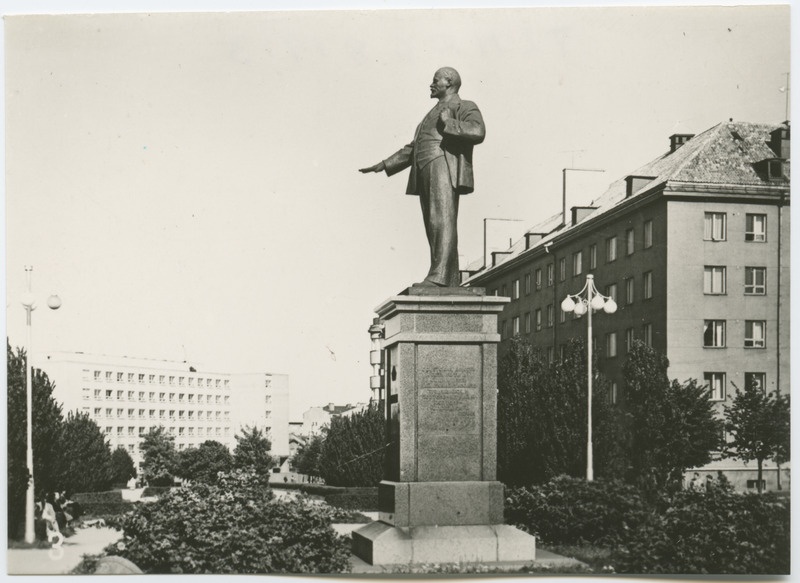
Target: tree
(672, 425)
(84, 461)
(47, 421)
(759, 425)
(253, 451)
(122, 466)
(542, 417)
(307, 459)
(352, 453)
(202, 464)
(159, 457)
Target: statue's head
(445, 81)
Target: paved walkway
(86, 541)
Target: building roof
(726, 154)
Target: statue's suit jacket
(459, 134)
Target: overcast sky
(188, 185)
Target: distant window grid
(756, 380)
(647, 334)
(562, 269)
(755, 333)
(755, 281)
(755, 228)
(629, 290)
(715, 227)
(611, 345)
(577, 263)
(647, 235)
(550, 274)
(647, 285)
(611, 249)
(714, 334)
(715, 381)
(714, 280)
(629, 242)
(593, 256)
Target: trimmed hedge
(718, 533)
(109, 497)
(310, 489)
(570, 511)
(233, 526)
(363, 499)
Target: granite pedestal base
(379, 543)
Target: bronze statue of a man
(440, 158)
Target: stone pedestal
(440, 501)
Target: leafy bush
(364, 499)
(720, 533)
(311, 489)
(151, 491)
(109, 497)
(105, 509)
(233, 526)
(353, 449)
(570, 511)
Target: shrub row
(363, 499)
(311, 489)
(110, 497)
(569, 511)
(155, 490)
(104, 509)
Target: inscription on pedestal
(443, 411)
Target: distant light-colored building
(127, 396)
(315, 418)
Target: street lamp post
(580, 305)
(29, 303)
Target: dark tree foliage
(542, 421)
(353, 450)
(47, 421)
(672, 425)
(307, 459)
(759, 424)
(84, 461)
(253, 451)
(159, 457)
(122, 466)
(203, 463)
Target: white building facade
(128, 396)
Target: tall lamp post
(580, 305)
(29, 303)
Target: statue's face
(439, 85)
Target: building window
(611, 345)
(550, 316)
(715, 227)
(753, 485)
(562, 352)
(514, 329)
(151, 378)
(97, 394)
(755, 281)
(527, 329)
(550, 275)
(755, 228)
(538, 319)
(611, 291)
(120, 377)
(755, 334)
(551, 354)
(629, 289)
(714, 334)
(120, 395)
(161, 379)
(647, 334)
(514, 295)
(562, 316)
(538, 278)
(108, 377)
(562, 269)
(715, 381)
(98, 412)
(756, 380)
(629, 242)
(577, 263)
(611, 249)
(714, 277)
(612, 394)
(647, 285)
(504, 329)
(593, 257)
(97, 375)
(527, 283)
(648, 234)
(131, 396)
(629, 337)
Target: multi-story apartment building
(127, 396)
(693, 247)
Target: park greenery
(122, 466)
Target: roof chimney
(780, 141)
(532, 238)
(677, 140)
(581, 212)
(634, 183)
